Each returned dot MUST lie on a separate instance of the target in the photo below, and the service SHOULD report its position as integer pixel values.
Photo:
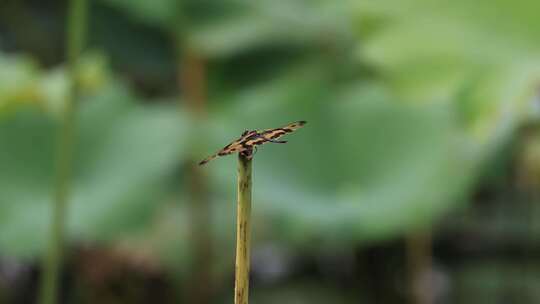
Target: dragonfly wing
(273, 134)
(255, 141)
(209, 158)
(233, 147)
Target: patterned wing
(235, 146)
(274, 134)
(238, 145)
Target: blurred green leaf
(124, 153)
(23, 83)
(157, 13)
(18, 81)
(273, 23)
(481, 55)
(220, 29)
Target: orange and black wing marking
(251, 139)
(234, 147)
(271, 135)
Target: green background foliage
(412, 107)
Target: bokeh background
(416, 179)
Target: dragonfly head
(248, 132)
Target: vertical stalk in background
(243, 231)
(192, 82)
(419, 266)
(526, 187)
(76, 24)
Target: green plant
(64, 155)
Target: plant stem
(64, 155)
(243, 231)
(192, 83)
(419, 263)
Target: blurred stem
(64, 155)
(527, 188)
(243, 231)
(192, 78)
(192, 82)
(419, 264)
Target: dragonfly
(247, 143)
